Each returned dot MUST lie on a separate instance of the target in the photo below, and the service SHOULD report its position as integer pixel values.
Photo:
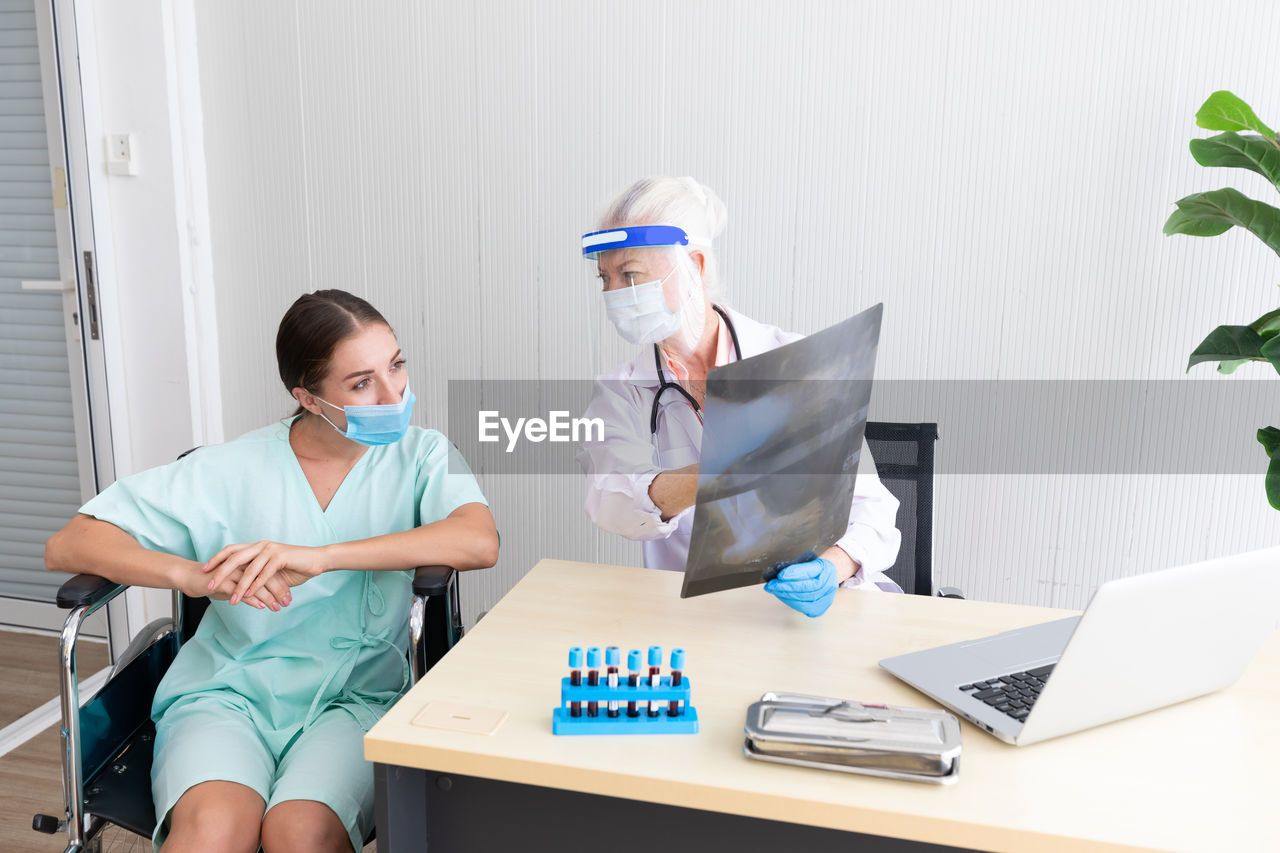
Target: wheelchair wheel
(115, 839)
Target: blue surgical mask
(374, 425)
(640, 313)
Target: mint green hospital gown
(279, 701)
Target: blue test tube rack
(645, 695)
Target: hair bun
(715, 213)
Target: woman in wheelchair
(305, 534)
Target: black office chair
(903, 454)
(107, 746)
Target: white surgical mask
(640, 312)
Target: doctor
(657, 271)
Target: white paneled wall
(997, 173)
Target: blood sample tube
(575, 678)
(612, 657)
(593, 678)
(655, 680)
(633, 679)
(677, 678)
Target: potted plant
(1245, 143)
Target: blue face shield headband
(632, 237)
(375, 425)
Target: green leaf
(1269, 437)
(1270, 350)
(1242, 152)
(1228, 207)
(1228, 343)
(1184, 223)
(1224, 111)
(1229, 367)
(1268, 324)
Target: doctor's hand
(674, 491)
(270, 565)
(809, 586)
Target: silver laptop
(1144, 642)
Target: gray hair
(682, 202)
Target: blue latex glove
(808, 586)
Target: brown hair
(312, 328)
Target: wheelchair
(106, 746)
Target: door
(48, 464)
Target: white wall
(996, 173)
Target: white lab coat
(620, 468)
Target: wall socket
(122, 154)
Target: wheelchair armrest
(432, 580)
(86, 591)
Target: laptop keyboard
(1012, 694)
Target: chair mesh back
(903, 454)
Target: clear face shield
(648, 291)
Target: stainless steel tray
(916, 744)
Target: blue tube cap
(575, 657)
(633, 659)
(677, 658)
(593, 657)
(612, 656)
(655, 656)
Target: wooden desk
(1196, 776)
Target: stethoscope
(664, 384)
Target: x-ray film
(781, 440)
